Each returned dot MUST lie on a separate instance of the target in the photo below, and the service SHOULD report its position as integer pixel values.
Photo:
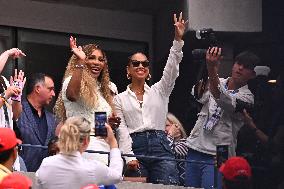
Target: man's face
(241, 74)
(46, 91)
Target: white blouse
(152, 114)
(79, 109)
(73, 172)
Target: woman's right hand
(77, 50)
(15, 53)
(179, 27)
(110, 139)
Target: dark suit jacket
(30, 134)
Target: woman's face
(95, 63)
(173, 129)
(138, 67)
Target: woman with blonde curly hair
(85, 90)
(68, 169)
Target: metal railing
(142, 156)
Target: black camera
(241, 105)
(208, 35)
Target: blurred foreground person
(69, 169)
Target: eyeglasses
(136, 63)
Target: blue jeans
(201, 175)
(155, 143)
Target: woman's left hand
(179, 27)
(114, 121)
(133, 165)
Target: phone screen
(100, 120)
(222, 154)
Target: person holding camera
(85, 90)
(69, 169)
(143, 111)
(218, 121)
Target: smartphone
(16, 97)
(100, 121)
(222, 154)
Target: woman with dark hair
(85, 90)
(143, 111)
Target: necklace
(137, 92)
(140, 102)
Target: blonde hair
(72, 134)
(88, 84)
(174, 120)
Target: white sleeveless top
(79, 109)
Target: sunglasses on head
(136, 63)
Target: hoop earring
(128, 76)
(149, 77)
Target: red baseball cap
(16, 181)
(8, 139)
(235, 166)
(91, 186)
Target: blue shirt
(40, 121)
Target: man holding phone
(218, 123)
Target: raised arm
(18, 81)
(171, 70)
(213, 56)
(74, 86)
(14, 53)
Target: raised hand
(18, 81)
(15, 53)
(179, 27)
(77, 50)
(213, 56)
